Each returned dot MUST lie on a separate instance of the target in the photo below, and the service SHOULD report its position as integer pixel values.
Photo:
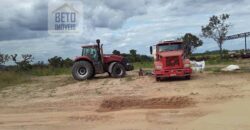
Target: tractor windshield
(90, 52)
(169, 47)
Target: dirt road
(208, 101)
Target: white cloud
(120, 24)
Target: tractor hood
(111, 58)
(171, 53)
(106, 58)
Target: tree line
(25, 62)
(132, 56)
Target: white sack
(198, 66)
(231, 68)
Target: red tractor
(93, 61)
(170, 61)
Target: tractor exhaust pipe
(100, 48)
(98, 43)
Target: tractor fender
(83, 58)
(111, 67)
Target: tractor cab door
(94, 54)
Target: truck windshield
(171, 47)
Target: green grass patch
(49, 71)
(8, 78)
(11, 77)
(138, 65)
(214, 59)
(213, 69)
(219, 70)
(220, 61)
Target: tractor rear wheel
(82, 70)
(118, 71)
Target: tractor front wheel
(118, 71)
(82, 70)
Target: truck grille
(172, 61)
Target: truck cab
(170, 61)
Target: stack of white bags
(198, 66)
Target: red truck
(170, 61)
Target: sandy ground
(208, 101)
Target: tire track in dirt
(120, 103)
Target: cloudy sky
(120, 24)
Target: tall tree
(56, 61)
(116, 52)
(4, 58)
(24, 63)
(132, 52)
(133, 55)
(68, 62)
(190, 43)
(217, 29)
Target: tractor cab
(95, 54)
(92, 52)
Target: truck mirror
(151, 50)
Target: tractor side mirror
(151, 50)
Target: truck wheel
(188, 77)
(82, 70)
(158, 79)
(118, 71)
